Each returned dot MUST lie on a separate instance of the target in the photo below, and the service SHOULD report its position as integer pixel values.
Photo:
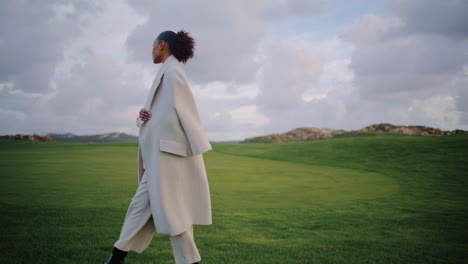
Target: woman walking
(173, 192)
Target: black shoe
(117, 257)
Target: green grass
(349, 199)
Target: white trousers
(138, 230)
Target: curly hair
(181, 44)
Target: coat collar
(171, 60)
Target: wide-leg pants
(138, 230)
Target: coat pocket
(173, 147)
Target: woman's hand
(145, 115)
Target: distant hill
(311, 133)
(298, 134)
(114, 137)
(33, 137)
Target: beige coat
(170, 150)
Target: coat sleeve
(187, 112)
(139, 122)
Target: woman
(173, 192)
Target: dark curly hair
(181, 44)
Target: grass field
(357, 199)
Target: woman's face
(157, 51)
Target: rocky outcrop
(311, 133)
(410, 130)
(33, 137)
(298, 134)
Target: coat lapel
(169, 61)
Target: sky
(260, 67)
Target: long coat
(170, 150)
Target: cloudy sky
(260, 67)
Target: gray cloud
(299, 8)
(96, 88)
(33, 37)
(95, 99)
(417, 50)
(92, 94)
(288, 70)
(228, 33)
(64, 71)
(446, 18)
